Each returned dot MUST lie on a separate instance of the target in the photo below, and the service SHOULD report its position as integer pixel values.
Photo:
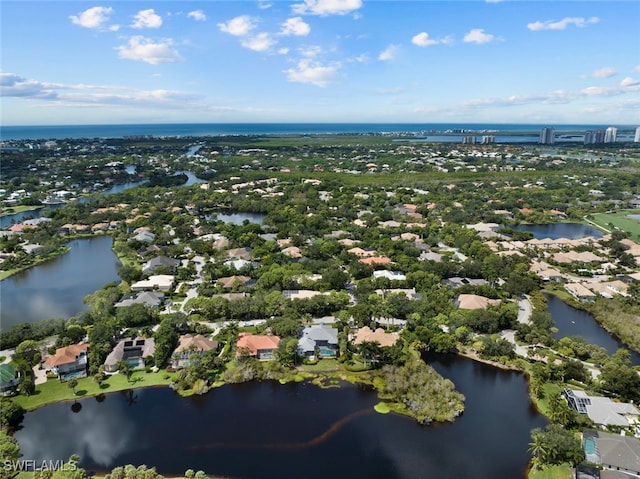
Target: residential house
(380, 336)
(230, 282)
(160, 282)
(410, 293)
(300, 293)
(474, 301)
(320, 340)
(457, 281)
(132, 350)
(580, 292)
(152, 299)
(168, 265)
(239, 253)
(257, 346)
(189, 345)
(9, 378)
(390, 275)
(375, 260)
(602, 410)
(612, 452)
(143, 237)
(69, 362)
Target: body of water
(239, 218)
(575, 322)
(224, 129)
(55, 289)
(266, 430)
(8, 220)
(560, 230)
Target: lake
(55, 289)
(574, 322)
(8, 220)
(559, 230)
(267, 430)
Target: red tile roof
(253, 343)
(66, 355)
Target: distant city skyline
(378, 61)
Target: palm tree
(537, 448)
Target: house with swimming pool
(69, 362)
(612, 452)
(261, 347)
(318, 340)
(131, 350)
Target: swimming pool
(591, 450)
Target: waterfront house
(9, 378)
(189, 345)
(69, 362)
(380, 336)
(144, 237)
(603, 411)
(580, 292)
(132, 350)
(318, 340)
(612, 452)
(261, 347)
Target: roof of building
(229, 282)
(253, 343)
(7, 372)
(148, 298)
(380, 336)
(66, 355)
(619, 451)
(375, 260)
(474, 301)
(189, 342)
(132, 348)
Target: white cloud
(94, 17)
(147, 19)
(628, 81)
(605, 72)
(283, 51)
(197, 15)
(262, 5)
(238, 26)
(259, 43)
(422, 40)
(388, 53)
(295, 26)
(562, 24)
(311, 72)
(326, 7)
(637, 69)
(311, 52)
(478, 36)
(146, 50)
(12, 85)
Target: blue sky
(555, 62)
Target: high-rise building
(589, 137)
(610, 134)
(599, 136)
(468, 140)
(547, 136)
(488, 139)
(636, 139)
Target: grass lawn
(562, 471)
(621, 221)
(322, 365)
(543, 404)
(54, 391)
(19, 209)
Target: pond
(574, 322)
(559, 230)
(239, 218)
(267, 430)
(55, 289)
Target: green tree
(11, 413)
(73, 384)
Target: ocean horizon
(59, 132)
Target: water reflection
(56, 289)
(560, 230)
(574, 322)
(267, 430)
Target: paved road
(525, 309)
